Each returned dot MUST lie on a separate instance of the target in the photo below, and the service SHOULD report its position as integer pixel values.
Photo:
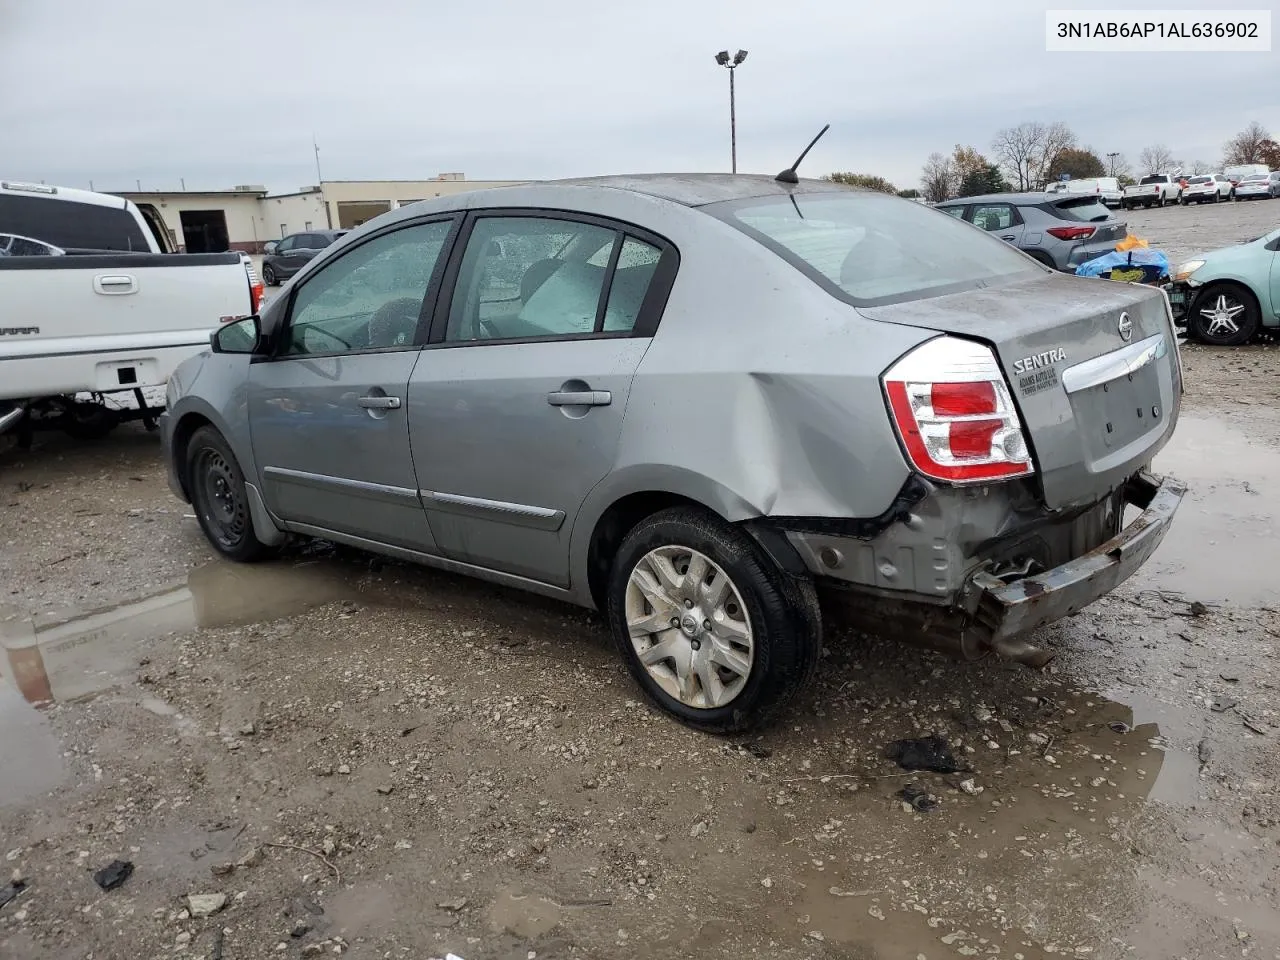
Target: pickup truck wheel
(218, 496)
(269, 275)
(712, 631)
(1224, 315)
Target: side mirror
(239, 337)
(269, 248)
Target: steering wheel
(395, 323)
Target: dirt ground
(340, 755)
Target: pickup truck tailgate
(1093, 369)
(102, 322)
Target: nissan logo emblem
(1125, 327)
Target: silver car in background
(1061, 230)
(693, 403)
(1259, 186)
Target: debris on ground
(918, 797)
(206, 904)
(10, 893)
(113, 874)
(924, 753)
(1119, 726)
(1198, 609)
(969, 786)
(1222, 705)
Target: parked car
(1061, 231)
(581, 389)
(104, 306)
(1207, 188)
(1154, 190)
(12, 245)
(1226, 296)
(285, 257)
(1255, 186)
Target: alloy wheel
(689, 627)
(1221, 315)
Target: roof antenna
(789, 175)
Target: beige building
(246, 217)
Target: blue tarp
(1153, 259)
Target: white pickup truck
(1154, 190)
(106, 308)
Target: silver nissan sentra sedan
(695, 403)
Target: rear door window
(995, 216)
(869, 248)
(70, 224)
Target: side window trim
(280, 334)
(651, 309)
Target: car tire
(1039, 256)
(269, 275)
(1230, 302)
(760, 635)
(219, 498)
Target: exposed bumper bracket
(1011, 610)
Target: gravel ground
(352, 756)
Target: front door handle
(1009, 238)
(380, 403)
(580, 398)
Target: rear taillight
(954, 414)
(255, 286)
(1071, 233)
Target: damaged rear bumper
(1011, 610)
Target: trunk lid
(1096, 407)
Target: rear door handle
(580, 398)
(380, 403)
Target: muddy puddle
(1223, 546)
(47, 660)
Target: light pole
(732, 64)
(1112, 157)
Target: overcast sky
(229, 92)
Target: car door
(327, 406)
(1002, 219)
(516, 405)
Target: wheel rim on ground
(223, 505)
(1220, 317)
(689, 627)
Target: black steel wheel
(218, 494)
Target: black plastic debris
(1119, 726)
(10, 892)
(924, 753)
(1198, 609)
(113, 874)
(920, 799)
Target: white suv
(1207, 188)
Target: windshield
(1201, 180)
(870, 248)
(1152, 179)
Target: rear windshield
(871, 248)
(1085, 209)
(70, 224)
(1201, 180)
(1154, 179)
(1255, 177)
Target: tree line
(1032, 155)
